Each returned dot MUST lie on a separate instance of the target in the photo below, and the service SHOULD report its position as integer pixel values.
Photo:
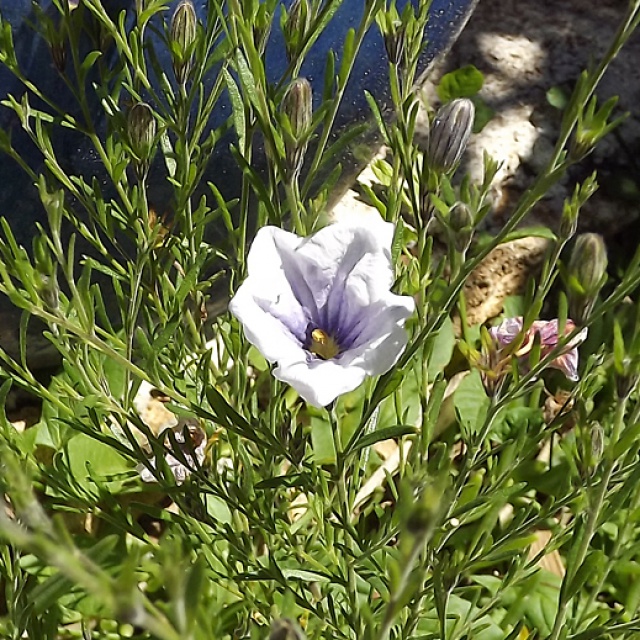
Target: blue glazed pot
(19, 200)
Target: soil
(525, 49)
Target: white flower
(321, 307)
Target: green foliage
(431, 502)
(465, 82)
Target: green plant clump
(341, 454)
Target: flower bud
(295, 27)
(589, 261)
(461, 226)
(183, 32)
(424, 511)
(587, 273)
(591, 449)
(449, 134)
(49, 293)
(626, 378)
(597, 442)
(394, 41)
(45, 276)
(297, 105)
(59, 55)
(568, 223)
(141, 127)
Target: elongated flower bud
(461, 226)
(297, 105)
(47, 282)
(49, 293)
(295, 27)
(587, 274)
(626, 377)
(394, 40)
(59, 55)
(184, 31)
(422, 512)
(589, 261)
(449, 134)
(597, 441)
(141, 127)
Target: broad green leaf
(324, 451)
(94, 465)
(441, 349)
(461, 83)
(471, 403)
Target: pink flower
(567, 360)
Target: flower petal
(383, 338)
(266, 304)
(263, 328)
(341, 255)
(568, 364)
(506, 331)
(319, 382)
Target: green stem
(595, 509)
(345, 508)
(393, 608)
(292, 191)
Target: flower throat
(323, 345)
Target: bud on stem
(461, 226)
(394, 41)
(295, 27)
(183, 32)
(587, 274)
(297, 105)
(449, 135)
(141, 127)
(285, 629)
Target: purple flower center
(324, 315)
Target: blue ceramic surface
(19, 202)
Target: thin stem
(609, 464)
(345, 508)
(393, 608)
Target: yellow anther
(323, 345)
